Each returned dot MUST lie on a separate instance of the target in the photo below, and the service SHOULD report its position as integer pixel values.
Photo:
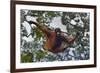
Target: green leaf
(26, 57)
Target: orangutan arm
(41, 27)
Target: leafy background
(32, 38)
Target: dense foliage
(32, 38)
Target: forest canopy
(32, 38)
